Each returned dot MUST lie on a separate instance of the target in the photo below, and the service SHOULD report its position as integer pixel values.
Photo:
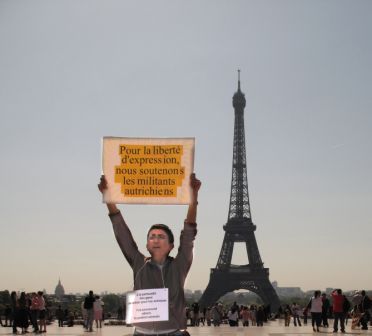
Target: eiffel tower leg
(268, 295)
(218, 286)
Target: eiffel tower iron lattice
(226, 277)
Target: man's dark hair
(165, 228)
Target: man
(195, 316)
(88, 305)
(159, 270)
(325, 310)
(338, 310)
(365, 305)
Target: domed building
(59, 291)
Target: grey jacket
(148, 275)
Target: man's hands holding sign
(191, 214)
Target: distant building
(288, 291)
(59, 291)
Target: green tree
(112, 303)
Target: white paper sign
(148, 170)
(147, 305)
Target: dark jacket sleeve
(185, 251)
(125, 240)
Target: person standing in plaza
(14, 311)
(195, 316)
(233, 317)
(253, 310)
(98, 311)
(365, 306)
(159, 270)
(7, 316)
(316, 305)
(42, 312)
(23, 312)
(217, 314)
(88, 306)
(325, 310)
(287, 315)
(338, 310)
(305, 312)
(296, 314)
(60, 315)
(34, 311)
(245, 316)
(260, 317)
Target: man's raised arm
(195, 186)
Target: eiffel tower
(239, 228)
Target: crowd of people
(320, 308)
(25, 310)
(29, 310)
(219, 314)
(342, 308)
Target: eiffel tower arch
(226, 277)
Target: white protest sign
(148, 170)
(147, 305)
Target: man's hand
(102, 187)
(194, 183)
(195, 186)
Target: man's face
(158, 244)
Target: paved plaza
(275, 328)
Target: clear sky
(72, 72)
